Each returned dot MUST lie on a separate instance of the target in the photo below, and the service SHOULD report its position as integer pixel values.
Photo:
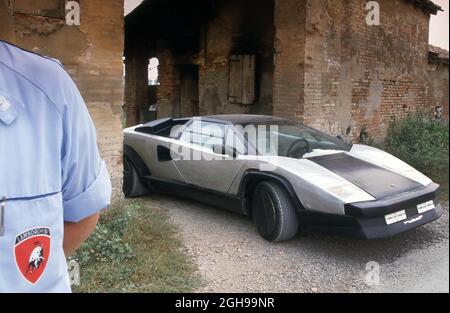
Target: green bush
(420, 141)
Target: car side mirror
(340, 138)
(225, 150)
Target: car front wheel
(273, 212)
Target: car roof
(238, 119)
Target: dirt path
(233, 258)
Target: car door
(201, 163)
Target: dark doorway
(189, 91)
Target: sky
(439, 32)
(130, 5)
(439, 26)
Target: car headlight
(340, 188)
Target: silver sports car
(281, 173)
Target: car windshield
(283, 137)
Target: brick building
(316, 61)
(92, 54)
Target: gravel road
(231, 256)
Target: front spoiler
(374, 228)
(366, 228)
(366, 220)
(402, 201)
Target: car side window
(204, 134)
(232, 141)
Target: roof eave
(427, 6)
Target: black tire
(132, 185)
(273, 212)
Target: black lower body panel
(366, 228)
(366, 220)
(206, 196)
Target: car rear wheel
(273, 212)
(132, 185)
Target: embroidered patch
(32, 252)
(4, 104)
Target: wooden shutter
(242, 79)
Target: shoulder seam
(35, 85)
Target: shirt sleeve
(86, 185)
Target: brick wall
(168, 92)
(92, 55)
(354, 78)
(289, 58)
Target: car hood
(388, 161)
(377, 181)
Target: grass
(135, 249)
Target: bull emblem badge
(32, 252)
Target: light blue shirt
(50, 170)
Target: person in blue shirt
(53, 183)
